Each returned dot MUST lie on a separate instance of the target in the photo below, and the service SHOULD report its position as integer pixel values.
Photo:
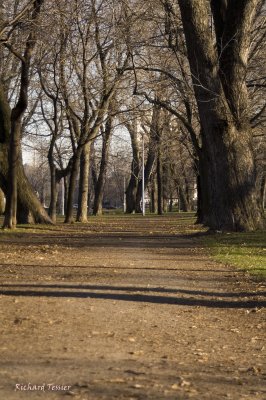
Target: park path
(126, 309)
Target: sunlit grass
(243, 250)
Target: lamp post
(143, 177)
(63, 197)
(124, 199)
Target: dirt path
(122, 310)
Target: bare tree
(14, 182)
(219, 78)
(99, 183)
(97, 66)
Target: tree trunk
(66, 186)
(147, 173)
(199, 213)
(17, 113)
(10, 220)
(2, 202)
(154, 195)
(29, 207)
(69, 219)
(185, 195)
(171, 203)
(131, 194)
(165, 185)
(183, 200)
(263, 191)
(155, 135)
(229, 175)
(82, 213)
(159, 185)
(99, 187)
(54, 192)
(131, 190)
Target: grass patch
(243, 250)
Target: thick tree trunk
(199, 212)
(131, 194)
(17, 113)
(10, 220)
(227, 170)
(263, 192)
(82, 213)
(231, 200)
(29, 208)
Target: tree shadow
(115, 240)
(130, 288)
(111, 267)
(85, 291)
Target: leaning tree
(18, 38)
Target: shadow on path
(41, 291)
(156, 289)
(112, 239)
(111, 267)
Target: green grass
(246, 251)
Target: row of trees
(186, 78)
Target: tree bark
(154, 195)
(53, 182)
(29, 207)
(10, 220)
(69, 218)
(228, 173)
(54, 186)
(263, 191)
(82, 213)
(17, 113)
(159, 185)
(155, 135)
(2, 202)
(99, 187)
(199, 213)
(131, 190)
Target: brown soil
(126, 309)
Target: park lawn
(243, 250)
